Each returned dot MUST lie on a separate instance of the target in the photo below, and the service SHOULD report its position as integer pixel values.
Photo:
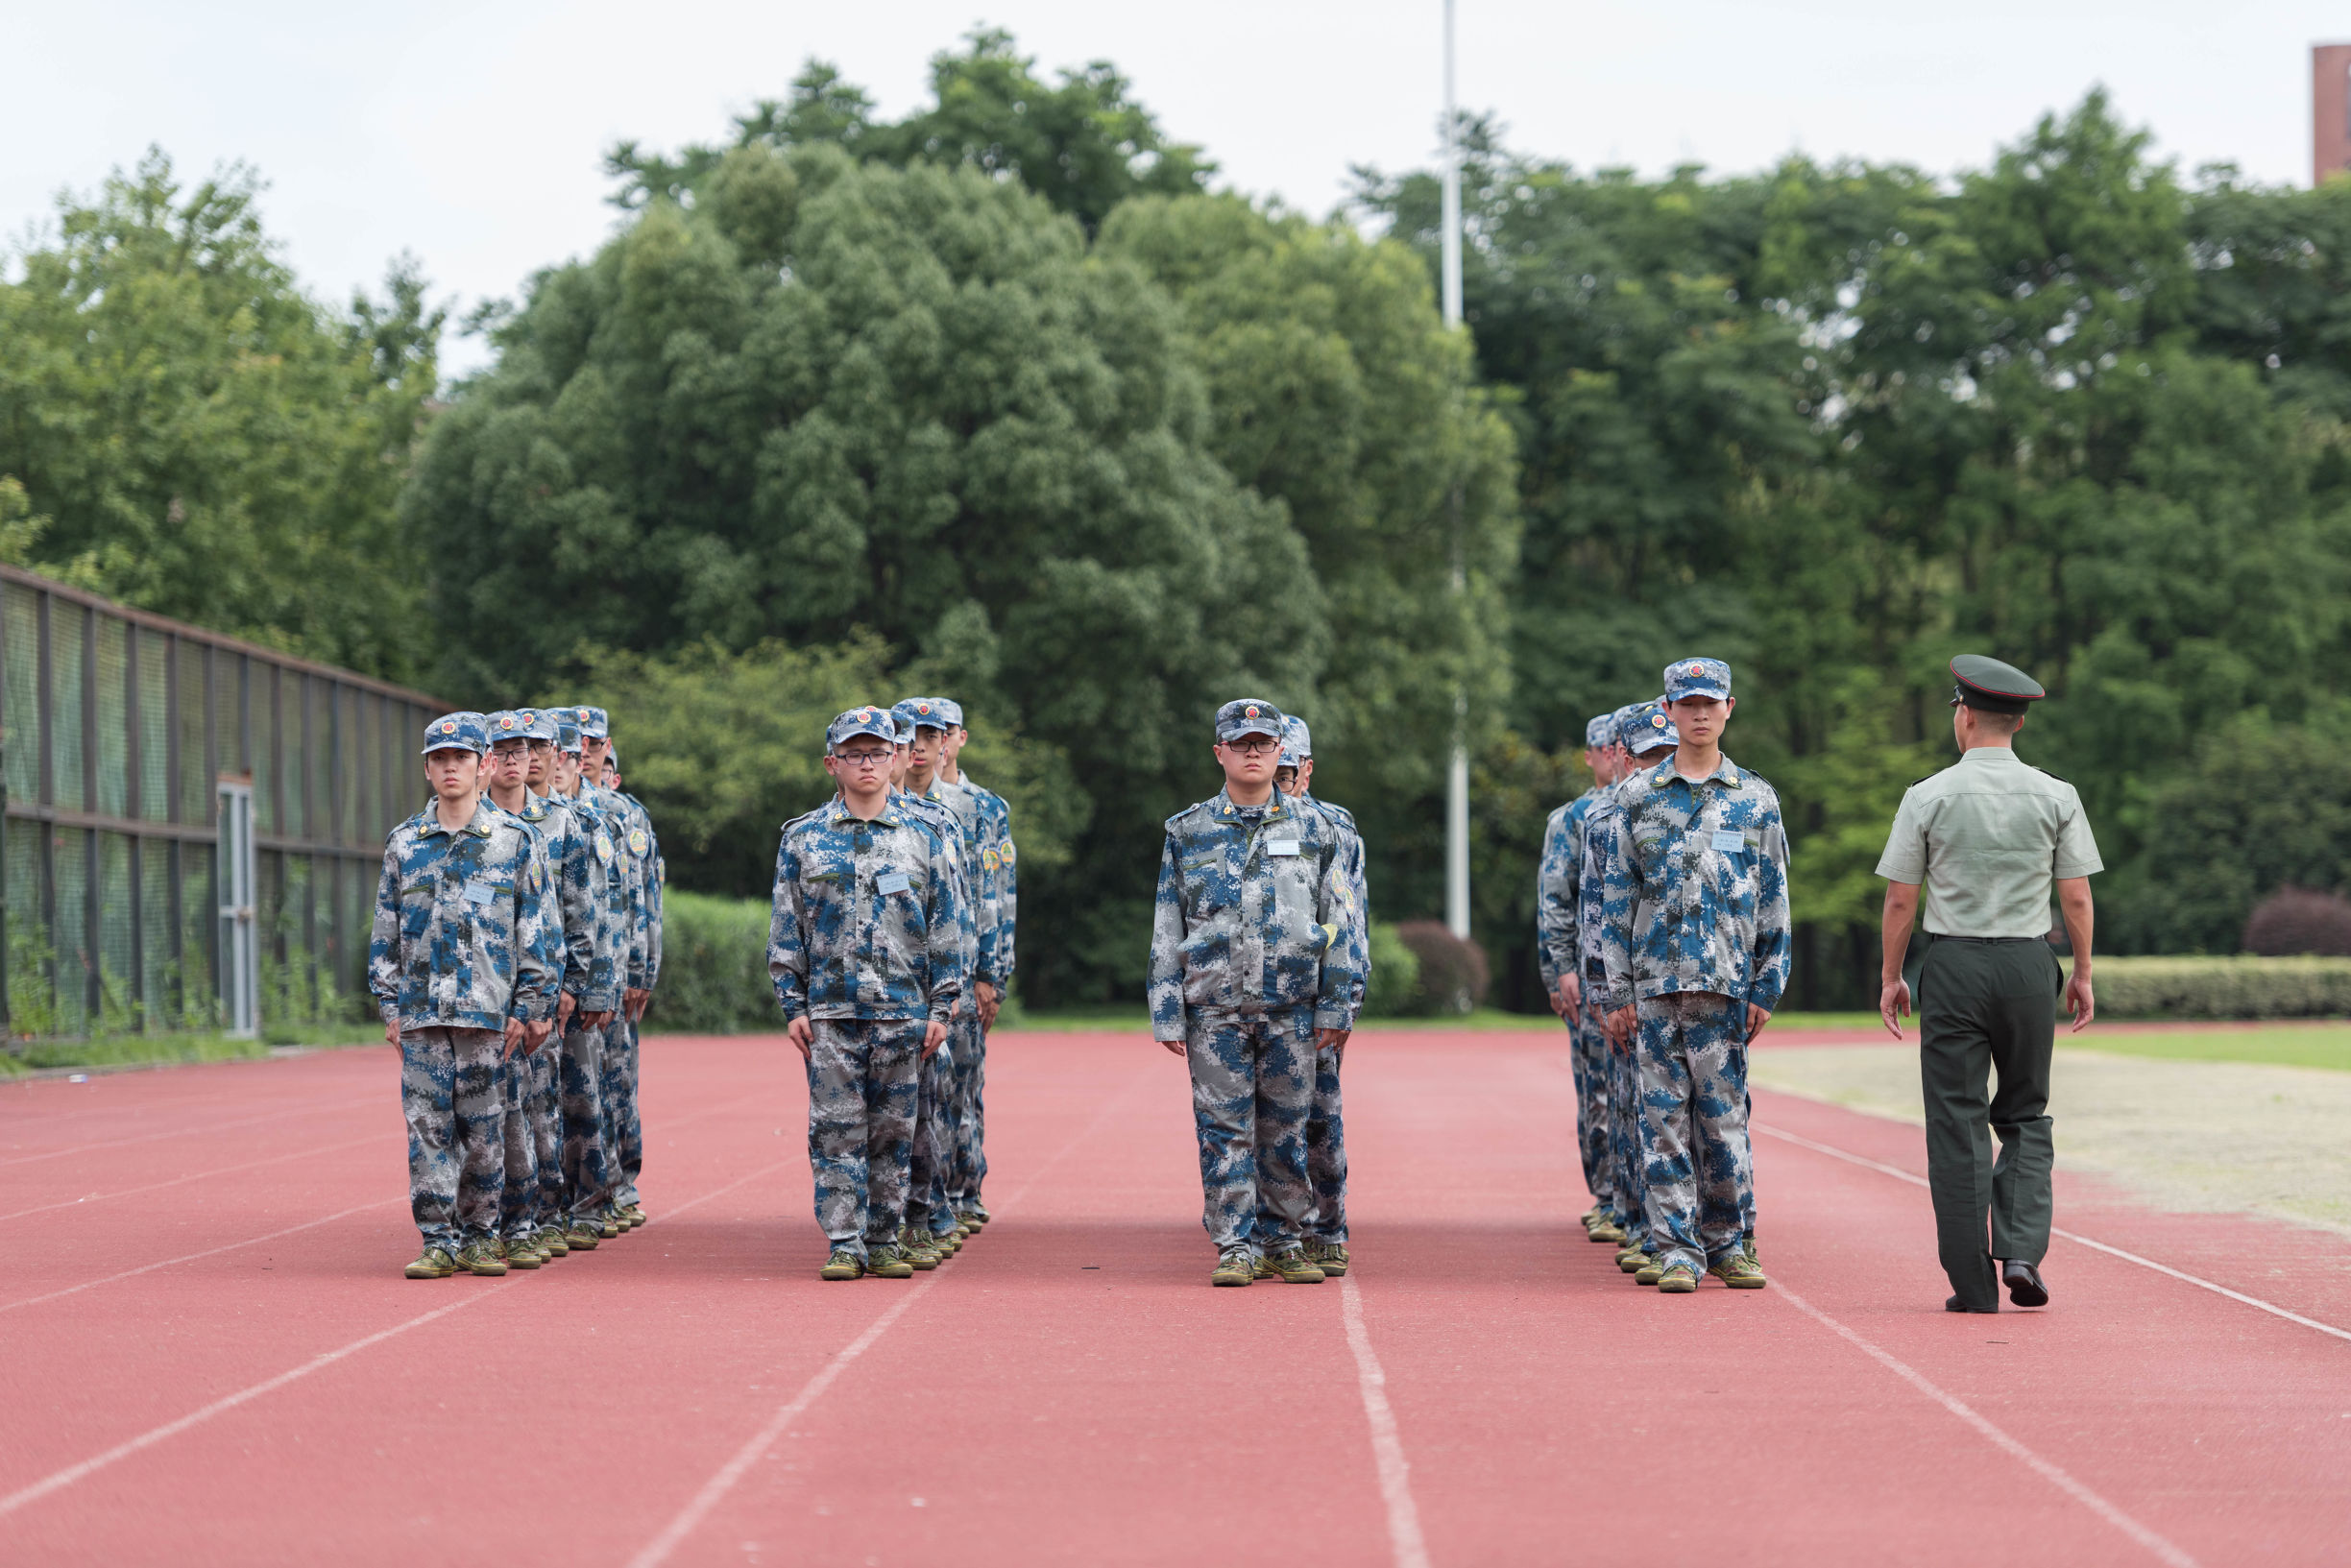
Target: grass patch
(2321, 1045)
(149, 1050)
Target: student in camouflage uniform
(1250, 975)
(1696, 936)
(865, 949)
(505, 789)
(635, 858)
(463, 964)
(1325, 1240)
(1556, 908)
(1644, 737)
(1004, 891)
(933, 1233)
(587, 1135)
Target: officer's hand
(934, 1035)
(1893, 1004)
(1569, 997)
(801, 1033)
(392, 1031)
(1174, 1047)
(514, 1037)
(1757, 1018)
(2078, 1000)
(564, 1005)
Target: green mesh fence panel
(351, 771)
(66, 662)
(268, 767)
(112, 678)
(154, 728)
(156, 922)
(75, 962)
(117, 966)
(31, 1005)
(199, 933)
(20, 701)
(195, 780)
(228, 681)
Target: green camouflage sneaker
(888, 1260)
(1650, 1271)
(1290, 1266)
(980, 1212)
(1233, 1267)
(948, 1242)
(581, 1236)
(482, 1258)
(1588, 1217)
(1606, 1231)
(1631, 1259)
(435, 1263)
(1738, 1272)
(1678, 1280)
(843, 1265)
(609, 1223)
(971, 1220)
(916, 1245)
(1331, 1257)
(518, 1253)
(634, 1215)
(1747, 1246)
(549, 1240)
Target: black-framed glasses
(1253, 746)
(865, 758)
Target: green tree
(204, 439)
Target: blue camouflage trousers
(1253, 1087)
(1628, 1141)
(586, 1181)
(1588, 1052)
(862, 1099)
(933, 1157)
(534, 1139)
(1326, 1163)
(969, 1117)
(628, 1131)
(1693, 1089)
(617, 1064)
(456, 1112)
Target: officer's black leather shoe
(1952, 1304)
(2024, 1281)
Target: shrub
(2294, 921)
(1452, 973)
(713, 973)
(1395, 974)
(2245, 987)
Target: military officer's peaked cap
(1247, 715)
(1992, 685)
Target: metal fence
(193, 825)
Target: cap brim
(1235, 734)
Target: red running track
(208, 1354)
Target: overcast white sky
(471, 133)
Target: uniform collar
(428, 820)
(1997, 756)
(1229, 812)
(842, 816)
(535, 808)
(1726, 770)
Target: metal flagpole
(1457, 779)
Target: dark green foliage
(2295, 921)
(714, 977)
(1451, 973)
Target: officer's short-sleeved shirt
(1987, 836)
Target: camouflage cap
(951, 707)
(1298, 741)
(856, 722)
(925, 714)
(906, 728)
(1247, 715)
(506, 724)
(538, 724)
(458, 732)
(567, 732)
(593, 724)
(1650, 729)
(1696, 678)
(1600, 734)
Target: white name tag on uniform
(478, 891)
(1730, 840)
(897, 882)
(1281, 846)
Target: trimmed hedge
(1395, 974)
(2241, 986)
(714, 975)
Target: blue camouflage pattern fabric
(466, 934)
(578, 877)
(1557, 878)
(979, 867)
(453, 1101)
(863, 920)
(1003, 873)
(1357, 901)
(862, 1078)
(1252, 1089)
(1697, 1174)
(1696, 888)
(1252, 916)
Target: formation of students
(516, 941)
(1663, 935)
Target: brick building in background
(2330, 109)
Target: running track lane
(1070, 1390)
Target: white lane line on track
(72, 1473)
(2055, 1476)
(191, 1257)
(2075, 1237)
(197, 1130)
(201, 1176)
(1387, 1446)
(656, 1550)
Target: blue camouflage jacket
(563, 829)
(638, 893)
(1252, 916)
(1696, 896)
(996, 815)
(935, 815)
(864, 921)
(1358, 933)
(464, 935)
(1557, 881)
(978, 862)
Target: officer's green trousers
(1985, 1008)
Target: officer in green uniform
(1986, 838)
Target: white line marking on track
(2201, 1284)
(191, 1257)
(197, 1130)
(72, 1473)
(2056, 1476)
(656, 1550)
(1386, 1447)
(201, 1176)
